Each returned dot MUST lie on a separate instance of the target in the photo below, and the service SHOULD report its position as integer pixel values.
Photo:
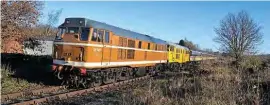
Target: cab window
(171, 48)
(60, 32)
(100, 35)
(140, 44)
(94, 35)
(107, 36)
(72, 30)
(148, 47)
(85, 34)
(97, 35)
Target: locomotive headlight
(56, 54)
(55, 51)
(81, 54)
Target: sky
(170, 21)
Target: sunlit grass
(10, 84)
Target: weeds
(11, 84)
(216, 82)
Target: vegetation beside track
(10, 84)
(215, 82)
(21, 72)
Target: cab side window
(140, 44)
(94, 35)
(148, 47)
(97, 35)
(107, 37)
(100, 35)
(171, 48)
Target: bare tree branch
(53, 18)
(238, 34)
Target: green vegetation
(11, 84)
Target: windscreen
(84, 34)
(72, 30)
(60, 32)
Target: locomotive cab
(78, 41)
(67, 42)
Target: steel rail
(80, 92)
(12, 96)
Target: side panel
(113, 54)
(106, 49)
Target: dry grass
(9, 84)
(222, 84)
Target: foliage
(188, 44)
(17, 20)
(215, 83)
(42, 31)
(251, 62)
(238, 34)
(53, 18)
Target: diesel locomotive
(90, 53)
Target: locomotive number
(97, 49)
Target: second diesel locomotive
(89, 53)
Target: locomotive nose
(68, 52)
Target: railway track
(27, 95)
(45, 95)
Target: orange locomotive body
(92, 52)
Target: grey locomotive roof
(118, 31)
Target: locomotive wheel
(109, 77)
(59, 75)
(130, 74)
(97, 79)
(123, 75)
(74, 81)
(84, 82)
(97, 83)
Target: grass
(21, 72)
(222, 86)
(213, 83)
(9, 84)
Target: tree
(188, 44)
(238, 34)
(208, 50)
(182, 42)
(53, 18)
(17, 18)
(48, 28)
(43, 31)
